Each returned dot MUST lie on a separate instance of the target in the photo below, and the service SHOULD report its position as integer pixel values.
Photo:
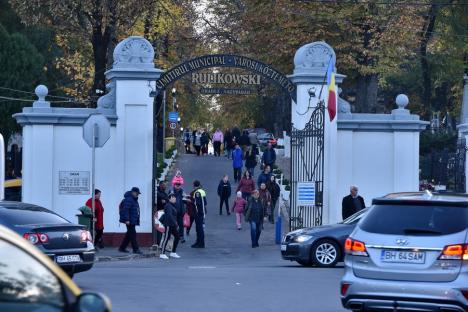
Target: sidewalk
(113, 254)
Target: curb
(151, 254)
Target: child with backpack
(239, 207)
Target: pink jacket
(177, 179)
(239, 205)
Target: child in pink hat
(177, 179)
(238, 207)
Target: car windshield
(415, 220)
(355, 217)
(25, 215)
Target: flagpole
(324, 80)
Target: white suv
(409, 253)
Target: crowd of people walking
(254, 202)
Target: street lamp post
(174, 101)
(164, 123)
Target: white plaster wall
(378, 162)
(125, 161)
(38, 162)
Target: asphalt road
(226, 276)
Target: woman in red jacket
(98, 217)
(246, 185)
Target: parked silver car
(409, 253)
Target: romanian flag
(331, 90)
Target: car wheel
(325, 253)
(304, 263)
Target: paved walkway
(221, 233)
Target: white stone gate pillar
(310, 70)
(463, 127)
(132, 78)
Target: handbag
(186, 220)
(158, 221)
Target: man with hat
(129, 211)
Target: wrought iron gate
(307, 165)
(445, 168)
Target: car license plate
(397, 256)
(284, 247)
(68, 259)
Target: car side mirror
(93, 302)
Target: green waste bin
(86, 217)
(85, 220)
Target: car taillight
(43, 238)
(455, 252)
(355, 248)
(344, 289)
(85, 236)
(465, 293)
(36, 238)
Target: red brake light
(344, 289)
(455, 252)
(465, 293)
(348, 245)
(355, 248)
(36, 238)
(85, 236)
(32, 238)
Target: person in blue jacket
(129, 212)
(237, 163)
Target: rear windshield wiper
(421, 231)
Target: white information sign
(74, 182)
(306, 193)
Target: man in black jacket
(254, 215)
(224, 192)
(180, 207)
(352, 203)
(171, 228)
(199, 203)
(161, 199)
(129, 213)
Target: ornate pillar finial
(41, 93)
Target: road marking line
(201, 267)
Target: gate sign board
(227, 60)
(228, 91)
(74, 182)
(173, 116)
(306, 193)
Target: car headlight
(302, 238)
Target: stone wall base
(114, 239)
